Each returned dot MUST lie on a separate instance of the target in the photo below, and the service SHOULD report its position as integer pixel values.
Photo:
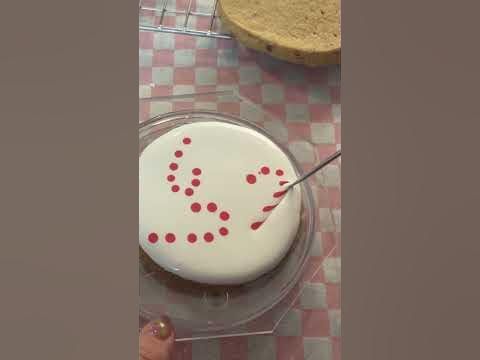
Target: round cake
(212, 203)
(302, 31)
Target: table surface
(306, 103)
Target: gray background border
(410, 177)
(68, 138)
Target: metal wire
(318, 167)
(187, 27)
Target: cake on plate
(212, 203)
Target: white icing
(226, 154)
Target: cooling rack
(189, 17)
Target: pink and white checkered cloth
(306, 103)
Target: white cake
(212, 206)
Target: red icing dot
(187, 141)
(256, 225)
(269, 208)
(224, 215)
(173, 166)
(170, 238)
(196, 207)
(251, 179)
(279, 193)
(178, 153)
(279, 172)
(175, 188)
(195, 182)
(281, 183)
(192, 238)
(212, 207)
(153, 238)
(196, 171)
(189, 191)
(223, 231)
(265, 170)
(208, 237)
(171, 178)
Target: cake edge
(256, 41)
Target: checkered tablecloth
(306, 103)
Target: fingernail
(161, 328)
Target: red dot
(189, 191)
(265, 170)
(212, 207)
(223, 231)
(256, 225)
(196, 207)
(153, 238)
(173, 166)
(170, 238)
(279, 193)
(196, 171)
(187, 140)
(208, 237)
(269, 208)
(175, 188)
(171, 178)
(178, 153)
(279, 172)
(196, 182)
(192, 238)
(251, 179)
(224, 215)
(281, 183)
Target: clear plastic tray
(258, 307)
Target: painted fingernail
(161, 328)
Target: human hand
(156, 340)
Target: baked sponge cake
(213, 208)
(299, 31)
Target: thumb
(156, 340)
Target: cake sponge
(301, 31)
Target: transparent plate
(254, 308)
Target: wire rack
(188, 17)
